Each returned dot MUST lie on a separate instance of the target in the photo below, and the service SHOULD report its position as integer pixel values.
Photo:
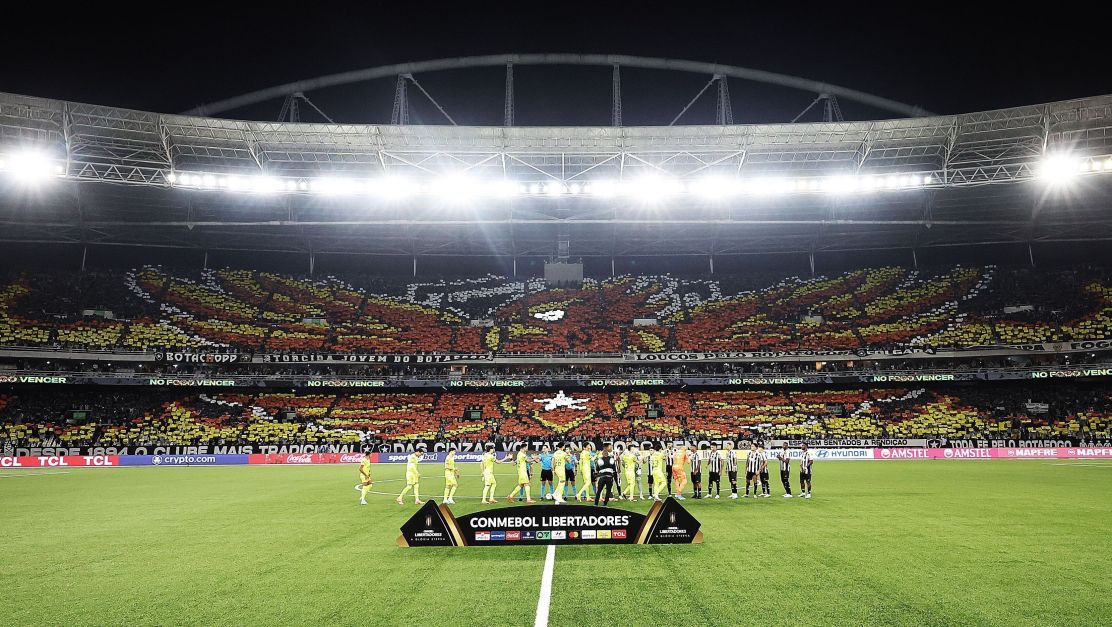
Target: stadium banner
(308, 458)
(553, 382)
(182, 460)
(916, 352)
(849, 442)
(436, 457)
(361, 358)
(42, 461)
(201, 358)
(666, 522)
(1089, 452)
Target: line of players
(664, 466)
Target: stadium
(212, 325)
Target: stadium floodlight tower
(707, 189)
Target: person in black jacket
(607, 470)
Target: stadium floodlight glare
(458, 187)
(31, 167)
(555, 188)
(841, 184)
(504, 188)
(716, 187)
(653, 187)
(265, 184)
(1059, 168)
(602, 188)
(333, 186)
(769, 186)
(392, 187)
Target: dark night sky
(177, 56)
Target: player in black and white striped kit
(753, 470)
(764, 471)
(714, 468)
(731, 468)
(806, 460)
(697, 472)
(785, 469)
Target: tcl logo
(59, 462)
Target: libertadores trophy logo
(666, 522)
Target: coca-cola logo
(305, 458)
(350, 458)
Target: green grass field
(916, 543)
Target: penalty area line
(545, 599)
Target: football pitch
(916, 543)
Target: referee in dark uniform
(607, 470)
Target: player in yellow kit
(630, 462)
(451, 477)
(412, 478)
(522, 476)
(364, 478)
(659, 461)
(586, 455)
(559, 470)
(489, 482)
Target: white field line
(545, 598)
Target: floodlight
(841, 184)
(602, 189)
(653, 187)
(393, 187)
(455, 187)
(503, 188)
(1058, 168)
(769, 185)
(716, 187)
(265, 184)
(29, 167)
(554, 188)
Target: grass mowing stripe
(987, 542)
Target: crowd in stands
(154, 308)
(86, 417)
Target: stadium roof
(119, 176)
